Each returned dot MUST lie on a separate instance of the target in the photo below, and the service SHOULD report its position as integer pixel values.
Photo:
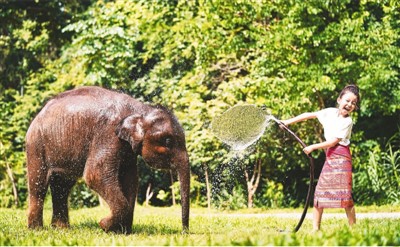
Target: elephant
(98, 134)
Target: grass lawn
(162, 226)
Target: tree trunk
(149, 195)
(14, 185)
(252, 184)
(207, 188)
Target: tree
(30, 39)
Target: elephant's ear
(131, 130)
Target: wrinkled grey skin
(98, 134)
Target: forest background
(199, 58)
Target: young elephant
(98, 134)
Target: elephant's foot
(59, 223)
(35, 221)
(111, 225)
(35, 224)
(35, 212)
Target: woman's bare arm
(299, 118)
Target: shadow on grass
(136, 229)
(91, 224)
(155, 229)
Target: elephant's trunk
(184, 179)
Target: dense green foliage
(162, 226)
(200, 58)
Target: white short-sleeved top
(335, 125)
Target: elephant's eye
(163, 140)
(167, 142)
(164, 145)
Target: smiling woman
(334, 188)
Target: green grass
(162, 226)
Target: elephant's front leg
(118, 187)
(120, 220)
(121, 217)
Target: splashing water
(241, 126)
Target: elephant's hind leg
(60, 188)
(37, 186)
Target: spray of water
(241, 126)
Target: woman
(335, 182)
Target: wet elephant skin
(97, 134)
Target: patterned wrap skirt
(334, 185)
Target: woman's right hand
(285, 122)
(308, 149)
